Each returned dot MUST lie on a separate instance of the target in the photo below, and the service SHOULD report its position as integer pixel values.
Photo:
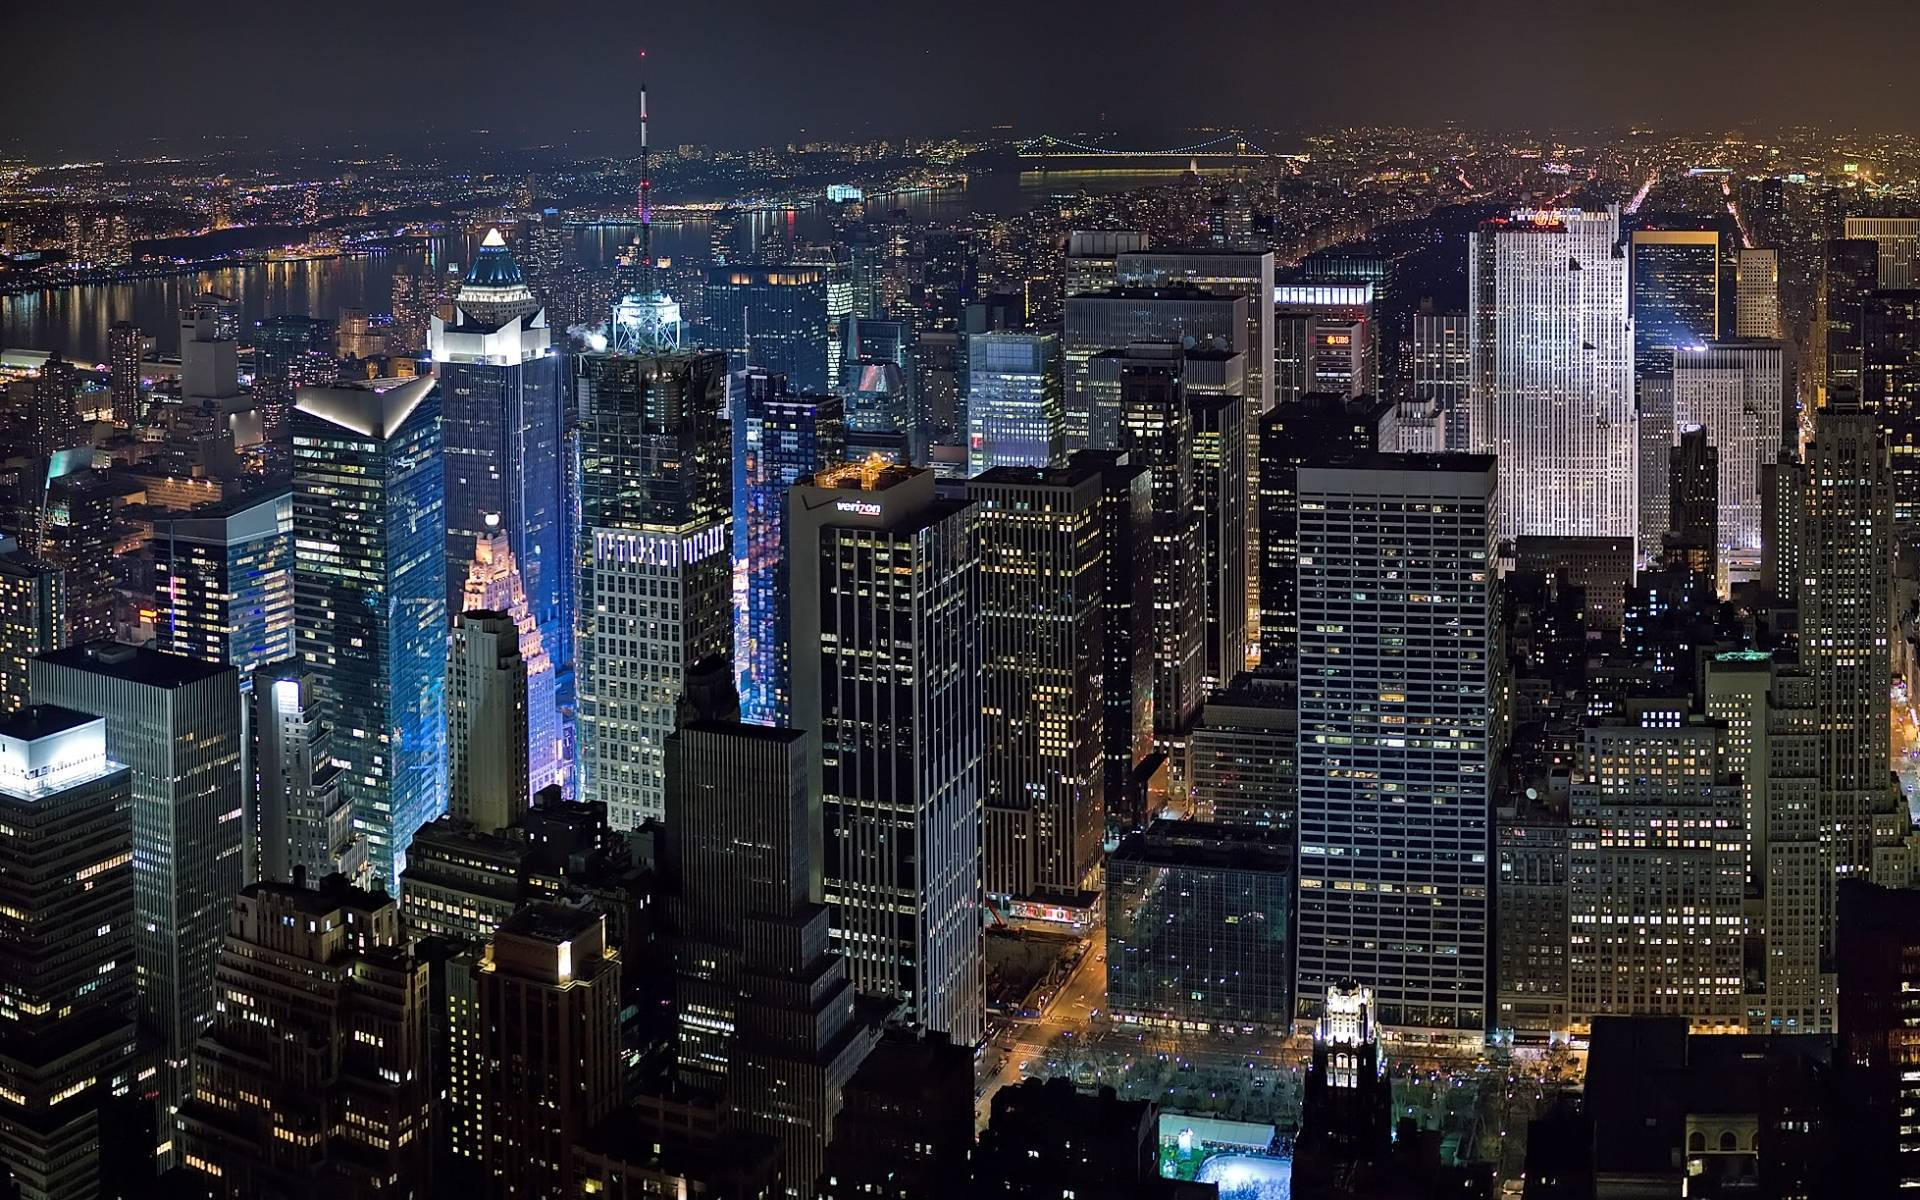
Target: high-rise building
(749, 927)
(209, 350)
(175, 723)
(223, 581)
(312, 1081)
(1323, 339)
(1849, 273)
(885, 587)
(493, 584)
(655, 592)
(1675, 300)
(124, 344)
(1772, 738)
(1757, 295)
(1045, 1137)
(1879, 970)
(486, 721)
(1198, 915)
(503, 438)
(1320, 429)
(1093, 257)
(1653, 403)
(53, 420)
(1221, 507)
(906, 1127)
(1897, 244)
(1602, 568)
(1736, 391)
(1783, 506)
(778, 440)
(773, 317)
(1156, 431)
(1846, 598)
(33, 620)
(1530, 901)
(370, 599)
(1552, 367)
(1890, 389)
(300, 819)
(1693, 512)
(1398, 690)
(1042, 580)
(1116, 317)
(1440, 373)
(289, 352)
(1225, 272)
(1243, 754)
(1014, 412)
(1126, 631)
(67, 917)
(548, 995)
(1657, 870)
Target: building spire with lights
(646, 320)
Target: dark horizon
(755, 73)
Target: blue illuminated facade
(778, 439)
(370, 609)
(774, 318)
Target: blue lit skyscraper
(1676, 294)
(772, 317)
(778, 440)
(370, 605)
(1015, 416)
(501, 436)
(223, 582)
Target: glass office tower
(370, 607)
(772, 317)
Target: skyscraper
(1156, 430)
(503, 437)
(1323, 338)
(1693, 513)
(1041, 586)
(1846, 597)
(1657, 872)
(1736, 391)
(124, 344)
(1398, 686)
(493, 584)
(1890, 389)
(1320, 429)
(1757, 298)
(1112, 319)
(1228, 272)
(486, 721)
(1897, 241)
(1220, 438)
(54, 421)
(1675, 297)
(1126, 631)
(778, 440)
(33, 620)
(1552, 366)
(654, 595)
(289, 352)
(1849, 272)
(312, 1081)
(176, 724)
(548, 992)
(749, 924)
(1440, 373)
(67, 916)
(1014, 412)
(887, 673)
(370, 599)
(301, 818)
(223, 581)
(772, 317)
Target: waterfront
(74, 320)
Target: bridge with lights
(1232, 145)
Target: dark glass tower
(1675, 296)
(370, 599)
(778, 440)
(502, 437)
(772, 317)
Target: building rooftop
(135, 664)
(42, 720)
(373, 409)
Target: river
(74, 320)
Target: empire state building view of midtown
(912, 602)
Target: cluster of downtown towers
(977, 670)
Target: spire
(646, 199)
(647, 320)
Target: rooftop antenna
(646, 199)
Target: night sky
(93, 78)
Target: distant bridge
(1230, 145)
